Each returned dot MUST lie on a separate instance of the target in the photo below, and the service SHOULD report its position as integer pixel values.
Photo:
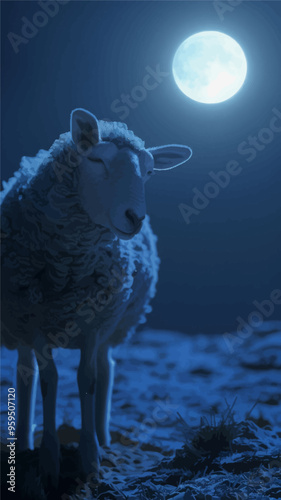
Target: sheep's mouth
(124, 235)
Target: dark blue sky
(91, 54)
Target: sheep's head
(113, 173)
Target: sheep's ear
(84, 128)
(168, 157)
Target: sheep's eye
(96, 160)
(98, 165)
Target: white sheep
(80, 267)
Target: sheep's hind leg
(50, 449)
(87, 375)
(105, 377)
(27, 375)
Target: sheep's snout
(126, 223)
(134, 219)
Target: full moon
(209, 67)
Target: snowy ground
(159, 376)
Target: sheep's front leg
(87, 376)
(50, 449)
(27, 375)
(105, 377)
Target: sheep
(80, 267)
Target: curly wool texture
(62, 274)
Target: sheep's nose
(133, 218)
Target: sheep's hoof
(89, 459)
(49, 464)
(103, 437)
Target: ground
(193, 417)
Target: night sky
(91, 55)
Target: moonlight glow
(210, 67)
